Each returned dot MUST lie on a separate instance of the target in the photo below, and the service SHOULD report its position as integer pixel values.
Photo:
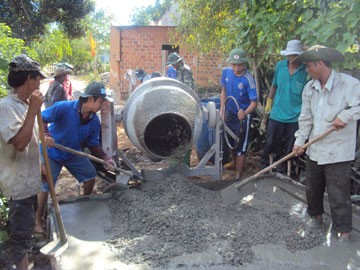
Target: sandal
(40, 239)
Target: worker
(20, 179)
(288, 83)
(73, 124)
(56, 91)
(238, 101)
(183, 71)
(330, 100)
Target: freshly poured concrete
(177, 225)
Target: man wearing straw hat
(330, 100)
(288, 83)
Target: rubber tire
(211, 107)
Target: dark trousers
(22, 224)
(336, 178)
(279, 139)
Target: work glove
(111, 165)
(268, 106)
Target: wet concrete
(174, 224)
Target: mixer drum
(163, 118)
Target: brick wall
(147, 47)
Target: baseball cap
(95, 89)
(25, 63)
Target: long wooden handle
(50, 180)
(83, 154)
(288, 156)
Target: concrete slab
(91, 232)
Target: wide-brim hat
(60, 71)
(293, 47)
(95, 89)
(25, 63)
(174, 58)
(320, 53)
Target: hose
(241, 126)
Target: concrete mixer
(163, 118)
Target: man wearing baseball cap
(20, 178)
(331, 100)
(288, 83)
(237, 101)
(74, 124)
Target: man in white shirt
(330, 100)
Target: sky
(121, 9)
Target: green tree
(149, 14)
(28, 18)
(10, 47)
(263, 27)
(53, 46)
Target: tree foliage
(9, 47)
(28, 18)
(263, 27)
(149, 14)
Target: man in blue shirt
(73, 124)
(286, 91)
(171, 72)
(237, 101)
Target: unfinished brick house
(147, 47)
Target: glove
(111, 165)
(268, 106)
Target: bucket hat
(293, 47)
(237, 56)
(320, 53)
(95, 89)
(25, 63)
(60, 70)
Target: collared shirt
(289, 87)
(242, 88)
(340, 98)
(20, 171)
(66, 128)
(55, 93)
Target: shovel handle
(50, 180)
(285, 158)
(91, 157)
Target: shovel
(58, 246)
(120, 179)
(232, 193)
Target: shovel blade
(122, 179)
(234, 193)
(54, 248)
